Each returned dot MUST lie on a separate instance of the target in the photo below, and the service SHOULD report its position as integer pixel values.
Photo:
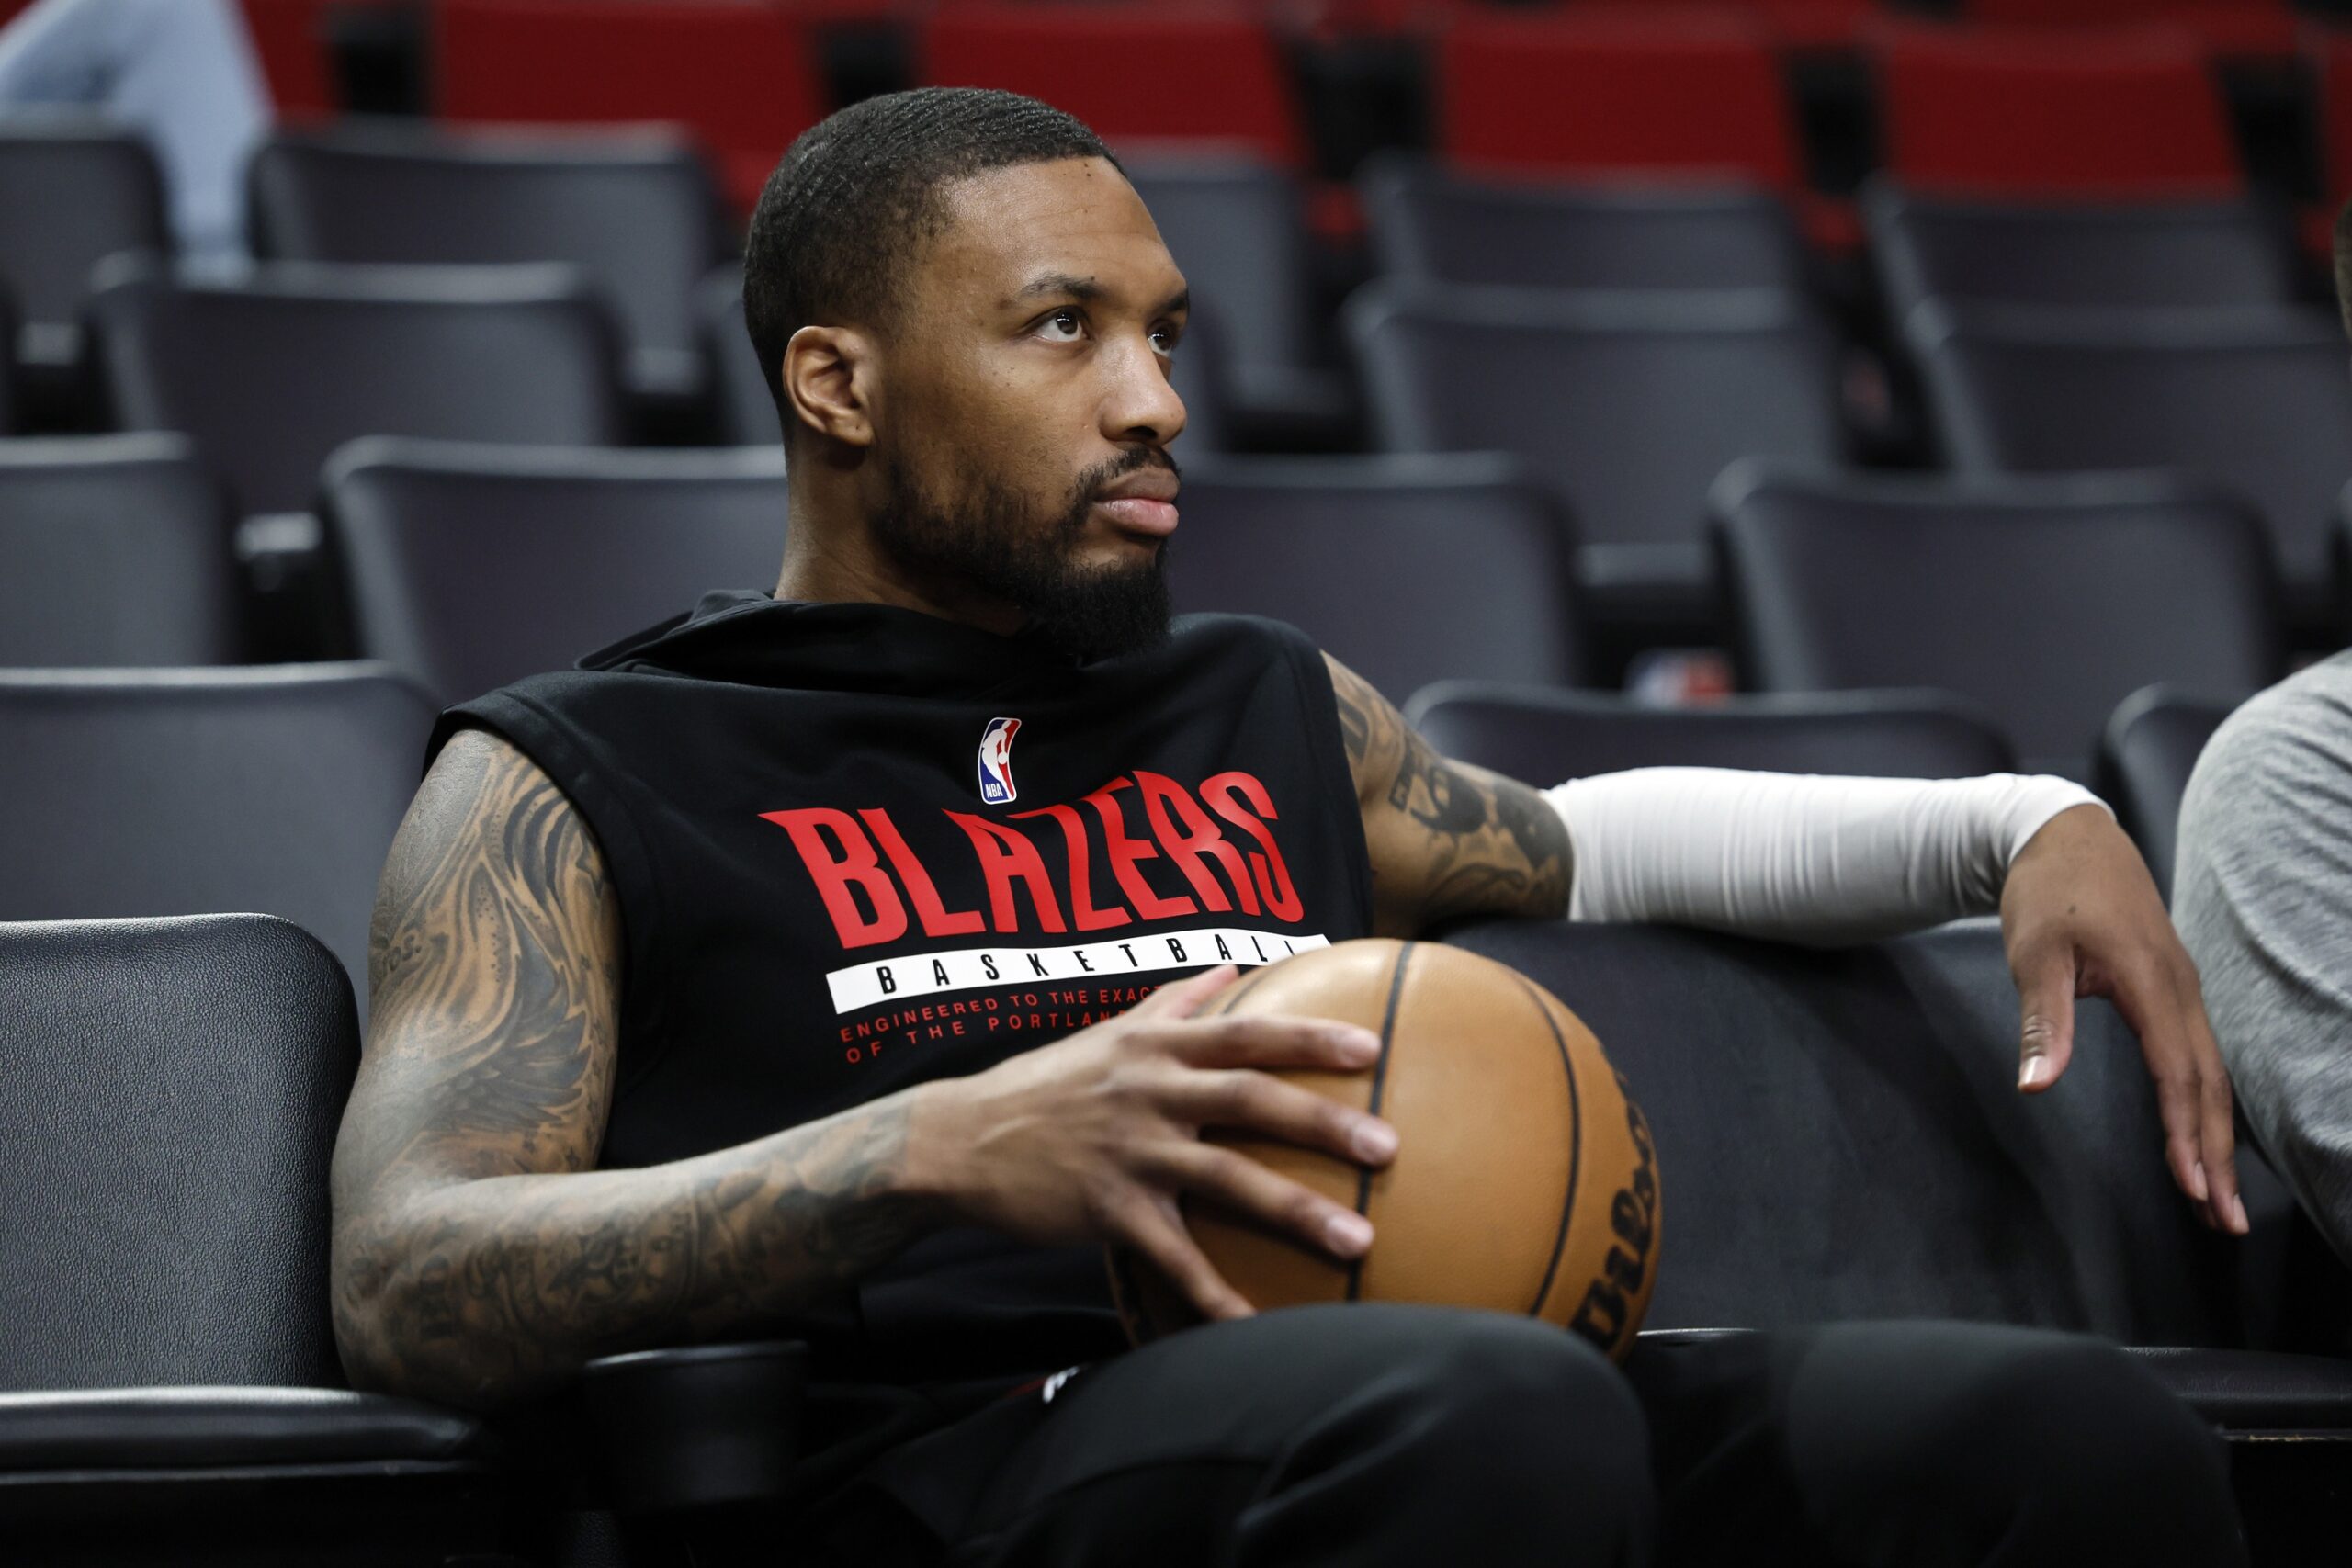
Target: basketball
(1525, 1179)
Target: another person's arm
(2262, 893)
(479, 1259)
(1815, 858)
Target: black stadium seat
(169, 1392)
(1542, 737)
(635, 210)
(2046, 601)
(2255, 397)
(2153, 254)
(747, 415)
(270, 375)
(1628, 403)
(473, 566)
(1360, 552)
(115, 551)
(1448, 228)
(183, 792)
(73, 192)
(1238, 228)
(2145, 756)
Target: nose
(1139, 405)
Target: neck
(830, 556)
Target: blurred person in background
(182, 73)
(2262, 894)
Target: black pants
(1367, 1436)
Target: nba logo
(996, 761)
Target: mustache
(1135, 459)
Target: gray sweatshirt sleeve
(2262, 894)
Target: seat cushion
(227, 1429)
(2257, 1390)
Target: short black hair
(853, 200)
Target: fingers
(1236, 1181)
(2217, 1128)
(1184, 997)
(2192, 1088)
(1240, 1098)
(1266, 1040)
(1153, 1228)
(2045, 979)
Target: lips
(1141, 514)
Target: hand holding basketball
(1097, 1137)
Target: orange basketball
(1525, 1180)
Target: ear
(828, 378)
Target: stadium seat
(1542, 737)
(2048, 253)
(2330, 58)
(2045, 601)
(747, 415)
(169, 1393)
(2120, 114)
(1628, 403)
(178, 792)
(1357, 551)
(72, 193)
(2240, 27)
(1136, 75)
(270, 375)
(115, 551)
(291, 44)
(2146, 755)
(742, 76)
(2255, 397)
(1620, 92)
(1445, 228)
(1238, 228)
(636, 211)
(473, 566)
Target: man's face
(1024, 414)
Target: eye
(1065, 325)
(1166, 338)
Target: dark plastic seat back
(637, 212)
(1839, 1135)
(470, 566)
(2046, 601)
(115, 551)
(194, 792)
(271, 376)
(1355, 550)
(747, 415)
(169, 1091)
(1542, 737)
(2145, 756)
(1629, 403)
(1428, 224)
(1237, 229)
(2166, 253)
(72, 194)
(2255, 397)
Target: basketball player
(822, 963)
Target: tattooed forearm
(478, 1258)
(1446, 838)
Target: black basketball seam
(1227, 999)
(1576, 1145)
(1379, 1085)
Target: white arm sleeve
(1797, 857)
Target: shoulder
(2288, 748)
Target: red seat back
(2225, 26)
(2015, 113)
(1133, 74)
(738, 74)
(290, 43)
(1613, 93)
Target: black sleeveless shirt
(857, 848)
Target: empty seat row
(2044, 602)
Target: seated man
(784, 970)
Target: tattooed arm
(1446, 838)
(478, 1258)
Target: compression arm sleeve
(1796, 857)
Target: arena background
(1814, 385)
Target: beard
(993, 540)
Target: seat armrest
(2257, 1390)
(697, 1427)
(126, 1432)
